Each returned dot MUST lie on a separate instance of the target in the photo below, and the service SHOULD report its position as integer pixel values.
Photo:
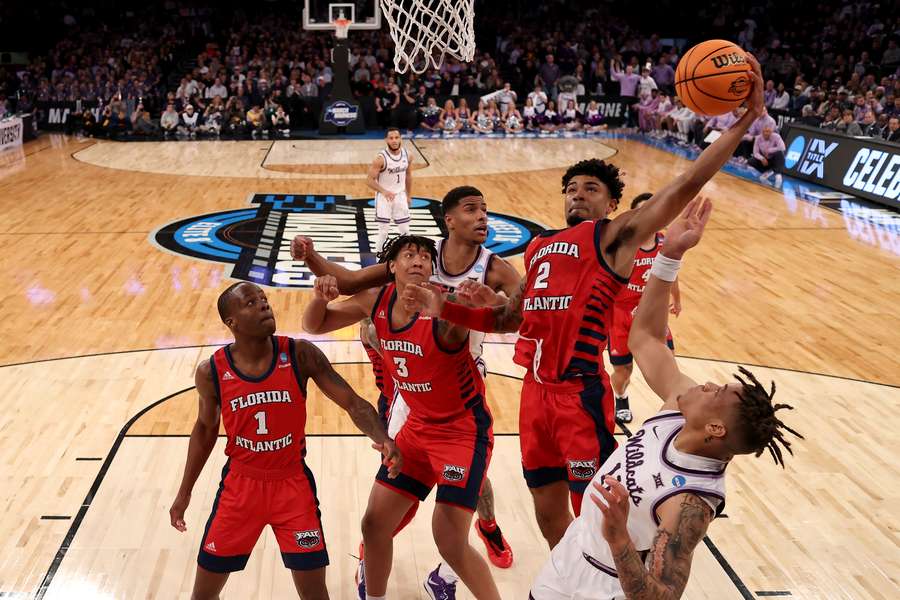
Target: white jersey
(581, 566)
(393, 176)
(477, 271)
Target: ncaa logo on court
(307, 539)
(255, 242)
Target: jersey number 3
(402, 371)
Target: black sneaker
(623, 411)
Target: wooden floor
(102, 332)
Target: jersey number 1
(261, 421)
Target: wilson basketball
(713, 77)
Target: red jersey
(264, 417)
(630, 295)
(438, 383)
(567, 304)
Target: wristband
(665, 268)
(479, 319)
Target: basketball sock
(403, 228)
(446, 573)
(368, 597)
(382, 236)
(487, 526)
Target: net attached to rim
(341, 27)
(424, 31)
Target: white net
(425, 30)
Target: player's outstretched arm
(203, 439)
(500, 318)
(348, 282)
(634, 226)
(322, 316)
(647, 339)
(684, 520)
(314, 365)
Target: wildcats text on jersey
(267, 397)
(555, 248)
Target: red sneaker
(498, 550)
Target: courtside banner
(863, 167)
(11, 133)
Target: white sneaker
(778, 180)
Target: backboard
(320, 14)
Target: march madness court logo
(256, 242)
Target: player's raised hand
(614, 503)
(425, 298)
(391, 457)
(685, 232)
(301, 246)
(176, 513)
(326, 288)
(756, 101)
(476, 294)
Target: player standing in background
(562, 313)
(257, 387)
(654, 498)
(390, 176)
(623, 314)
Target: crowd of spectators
(185, 72)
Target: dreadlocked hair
(393, 246)
(758, 425)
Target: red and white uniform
(266, 480)
(627, 302)
(448, 437)
(566, 412)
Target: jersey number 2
(261, 421)
(540, 282)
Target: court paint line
(703, 358)
(89, 498)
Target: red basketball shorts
(619, 353)
(245, 505)
(565, 430)
(453, 456)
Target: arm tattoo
(669, 563)
(508, 317)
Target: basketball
(713, 77)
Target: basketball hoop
(425, 30)
(341, 27)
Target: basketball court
(105, 327)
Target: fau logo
(814, 160)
